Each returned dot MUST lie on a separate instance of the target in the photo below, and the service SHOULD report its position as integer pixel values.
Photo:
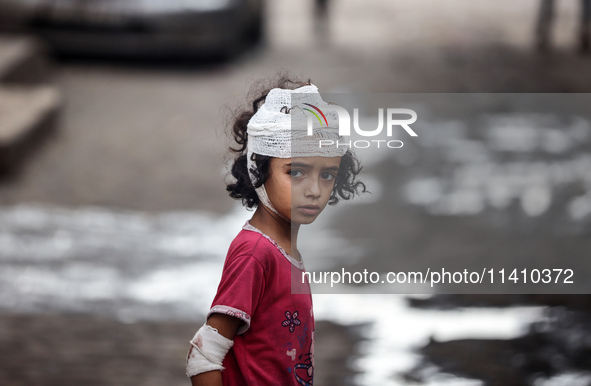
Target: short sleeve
(240, 290)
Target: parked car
(154, 28)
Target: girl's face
(299, 188)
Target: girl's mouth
(309, 210)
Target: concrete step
(23, 60)
(27, 116)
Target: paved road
(152, 138)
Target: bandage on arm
(211, 343)
(208, 349)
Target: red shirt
(274, 345)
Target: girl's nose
(313, 188)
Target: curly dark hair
(346, 184)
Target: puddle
(134, 266)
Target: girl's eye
(328, 176)
(295, 173)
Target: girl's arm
(227, 327)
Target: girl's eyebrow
(298, 164)
(305, 165)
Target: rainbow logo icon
(316, 115)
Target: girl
(260, 328)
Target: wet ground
(554, 351)
(487, 188)
(74, 349)
(85, 301)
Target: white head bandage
(280, 126)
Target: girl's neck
(283, 232)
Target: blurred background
(114, 220)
